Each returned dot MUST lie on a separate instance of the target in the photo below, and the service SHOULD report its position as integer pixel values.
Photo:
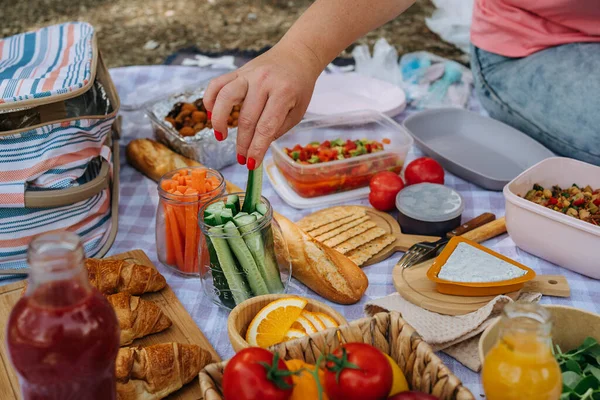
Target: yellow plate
(475, 288)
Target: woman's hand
(274, 90)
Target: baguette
(322, 269)
(154, 159)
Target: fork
(421, 251)
(476, 230)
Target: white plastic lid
(430, 202)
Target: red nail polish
(209, 115)
(218, 136)
(241, 159)
(251, 164)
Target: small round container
(429, 209)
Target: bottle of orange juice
(521, 364)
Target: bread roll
(324, 270)
(154, 159)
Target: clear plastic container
(248, 261)
(179, 240)
(312, 180)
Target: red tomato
(384, 186)
(357, 371)
(245, 376)
(413, 396)
(424, 169)
(382, 201)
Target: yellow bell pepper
(399, 384)
(305, 386)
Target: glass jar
(521, 364)
(181, 194)
(247, 253)
(62, 335)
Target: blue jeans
(552, 95)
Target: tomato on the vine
(357, 371)
(256, 374)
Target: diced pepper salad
(311, 174)
(338, 149)
(182, 236)
(576, 202)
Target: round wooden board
(413, 285)
(389, 224)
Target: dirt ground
(136, 32)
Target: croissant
(137, 317)
(113, 276)
(154, 372)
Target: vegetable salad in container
(341, 152)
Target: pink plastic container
(548, 234)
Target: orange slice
(271, 323)
(293, 334)
(315, 320)
(303, 324)
(328, 321)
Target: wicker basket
(424, 371)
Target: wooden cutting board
(389, 224)
(413, 285)
(183, 330)
(403, 241)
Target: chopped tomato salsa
(315, 152)
(310, 173)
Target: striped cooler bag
(58, 149)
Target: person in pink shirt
(536, 66)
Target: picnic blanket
(139, 200)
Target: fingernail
(241, 159)
(218, 136)
(251, 164)
(209, 114)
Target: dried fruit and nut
(583, 204)
(191, 118)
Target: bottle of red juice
(62, 335)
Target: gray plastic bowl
(478, 149)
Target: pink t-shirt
(518, 28)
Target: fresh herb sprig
(580, 371)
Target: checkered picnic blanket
(139, 199)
